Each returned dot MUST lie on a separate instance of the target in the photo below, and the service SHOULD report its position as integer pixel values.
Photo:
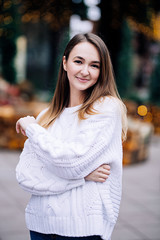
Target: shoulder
(106, 109)
(108, 105)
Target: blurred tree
(44, 17)
(9, 31)
(50, 21)
(155, 83)
(113, 14)
(56, 13)
(124, 62)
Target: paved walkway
(139, 217)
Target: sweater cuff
(34, 128)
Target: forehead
(86, 50)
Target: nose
(85, 70)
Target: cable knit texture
(55, 161)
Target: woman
(63, 163)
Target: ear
(64, 63)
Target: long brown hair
(105, 86)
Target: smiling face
(82, 67)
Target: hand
(100, 174)
(23, 123)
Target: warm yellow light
(156, 28)
(142, 110)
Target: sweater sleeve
(78, 157)
(34, 177)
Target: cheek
(96, 76)
(71, 72)
(71, 69)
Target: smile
(82, 79)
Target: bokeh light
(142, 110)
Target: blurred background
(33, 35)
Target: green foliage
(124, 69)
(155, 84)
(9, 20)
(8, 52)
(61, 47)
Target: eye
(95, 66)
(78, 61)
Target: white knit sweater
(53, 165)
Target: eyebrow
(84, 59)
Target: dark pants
(41, 236)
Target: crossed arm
(99, 175)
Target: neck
(76, 98)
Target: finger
(105, 176)
(23, 132)
(17, 127)
(106, 166)
(101, 180)
(103, 170)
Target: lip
(82, 79)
